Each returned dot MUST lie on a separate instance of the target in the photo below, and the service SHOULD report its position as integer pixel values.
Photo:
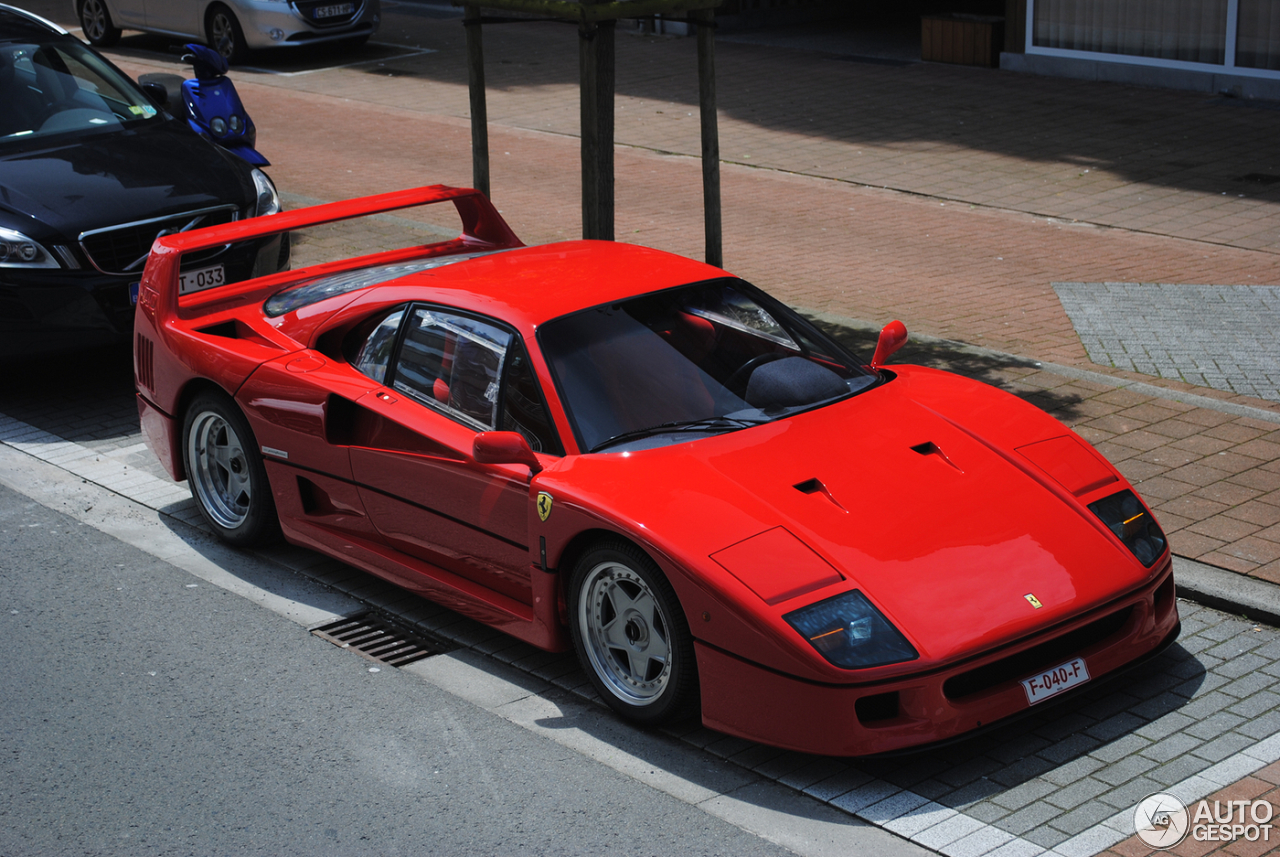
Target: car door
(174, 16)
(413, 459)
(125, 13)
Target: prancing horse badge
(1031, 599)
(544, 505)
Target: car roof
(531, 285)
(20, 25)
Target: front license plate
(133, 293)
(336, 9)
(201, 278)
(1055, 680)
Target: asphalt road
(145, 711)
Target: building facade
(1219, 46)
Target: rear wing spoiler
(482, 229)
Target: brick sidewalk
(1261, 785)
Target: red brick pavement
(1263, 784)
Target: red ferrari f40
(601, 446)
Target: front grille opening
(876, 708)
(123, 249)
(379, 640)
(1046, 654)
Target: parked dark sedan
(91, 171)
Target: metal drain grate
(374, 638)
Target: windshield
(63, 86)
(679, 364)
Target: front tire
(226, 474)
(224, 35)
(95, 20)
(631, 636)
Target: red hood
(942, 532)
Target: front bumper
(273, 25)
(752, 702)
(44, 311)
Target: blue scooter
(212, 104)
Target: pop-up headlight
(1124, 515)
(851, 633)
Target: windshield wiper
(706, 424)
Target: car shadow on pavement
(1022, 748)
(998, 370)
(278, 61)
(280, 576)
(82, 396)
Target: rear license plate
(201, 278)
(336, 9)
(133, 293)
(1055, 680)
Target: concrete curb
(1227, 591)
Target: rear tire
(95, 20)
(631, 636)
(223, 33)
(226, 473)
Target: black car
(91, 171)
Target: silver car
(233, 27)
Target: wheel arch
(686, 679)
(719, 610)
(206, 16)
(221, 481)
(587, 540)
(191, 391)
(112, 20)
(573, 550)
(206, 32)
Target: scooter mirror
(157, 93)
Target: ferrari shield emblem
(544, 505)
(1033, 601)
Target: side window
(374, 354)
(522, 407)
(453, 363)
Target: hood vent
(931, 448)
(815, 486)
